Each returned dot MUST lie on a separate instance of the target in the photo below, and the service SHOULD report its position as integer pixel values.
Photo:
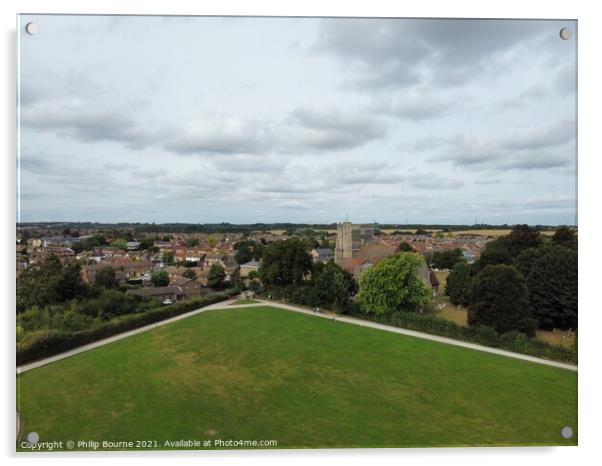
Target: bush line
(44, 343)
(512, 341)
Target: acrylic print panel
(295, 233)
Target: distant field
(491, 232)
(264, 373)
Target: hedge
(43, 343)
(483, 335)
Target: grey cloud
(401, 52)
(86, 124)
(433, 181)
(536, 161)
(540, 137)
(217, 134)
(293, 204)
(251, 164)
(528, 149)
(306, 130)
(415, 107)
(525, 98)
(331, 129)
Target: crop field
(262, 373)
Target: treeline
(522, 282)
(288, 272)
(395, 290)
(241, 228)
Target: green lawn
(269, 374)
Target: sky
(302, 120)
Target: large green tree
(394, 284)
(48, 282)
(565, 236)
(505, 249)
(160, 278)
(405, 247)
(120, 243)
(499, 299)
(248, 250)
(457, 284)
(285, 262)
(447, 259)
(216, 276)
(105, 277)
(332, 285)
(522, 237)
(496, 252)
(551, 277)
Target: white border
(589, 222)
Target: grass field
(268, 374)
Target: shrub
(484, 335)
(43, 343)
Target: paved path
(427, 336)
(345, 319)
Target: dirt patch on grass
(556, 337)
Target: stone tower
(350, 238)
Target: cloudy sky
(248, 120)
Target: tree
(146, 244)
(551, 277)
(332, 285)
(216, 276)
(160, 278)
(105, 277)
(522, 237)
(168, 258)
(405, 247)
(38, 285)
(248, 250)
(191, 243)
(190, 273)
(499, 298)
(254, 286)
(285, 262)
(394, 284)
(505, 249)
(70, 284)
(496, 252)
(119, 243)
(565, 236)
(457, 284)
(447, 259)
(49, 283)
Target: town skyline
(168, 119)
